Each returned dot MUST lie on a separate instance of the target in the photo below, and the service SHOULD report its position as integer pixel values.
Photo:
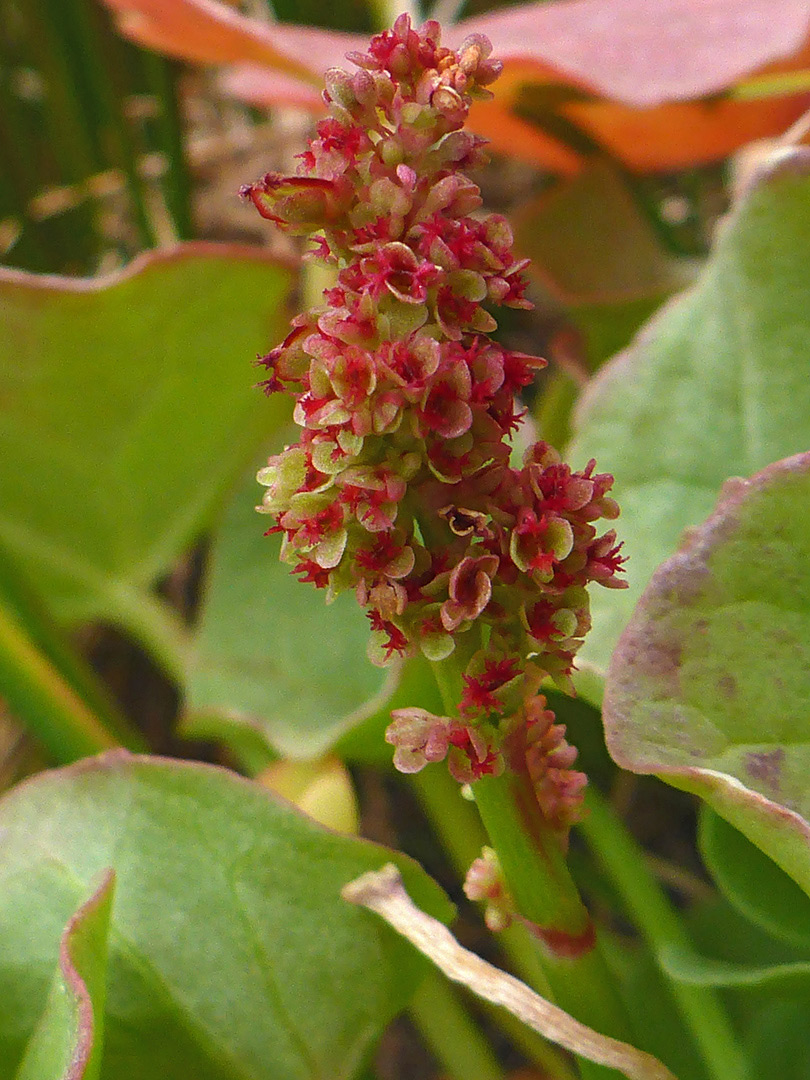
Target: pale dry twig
(383, 892)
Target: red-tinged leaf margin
(644, 672)
(207, 792)
(210, 32)
(646, 63)
(87, 1025)
(144, 260)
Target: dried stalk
(383, 892)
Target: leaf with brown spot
(714, 386)
(709, 686)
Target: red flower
(400, 487)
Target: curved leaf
(646, 55)
(628, 51)
(715, 386)
(690, 967)
(753, 883)
(68, 1039)
(710, 683)
(127, 409)
(231, 953)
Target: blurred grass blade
(43, 699)
(160, 75)
(27, 630)
(75, 42)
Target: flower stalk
(401, 487)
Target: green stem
(546, 896)
(70, 138)
(700, 1007)
(458, 827)
(44, 700)
(98, 65)
(21, 175)
(450, 1033)
(538, 878)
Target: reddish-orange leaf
(675, 136)
(647, 52)
(643, 63)
(208, 31)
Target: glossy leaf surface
(232, 956)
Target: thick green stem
(545, 894)
(450, 1033)
(701, 1007)
(538, 875)
(458, 827)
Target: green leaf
(594, 250)
(690, 967)
(270, 654)
(724, 937)
(127, 410)
(715, 386)
(727, 947)
(20, 604)
(658, 1027)
(231, 952)
(718, 931)
(777, 1043)
(752, 882)
(710, 684)
(67, 1042)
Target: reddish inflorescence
(401, 486)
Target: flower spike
(401, 486)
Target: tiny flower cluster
(484, 882)
(401, 486)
